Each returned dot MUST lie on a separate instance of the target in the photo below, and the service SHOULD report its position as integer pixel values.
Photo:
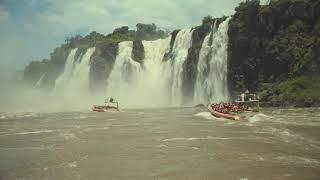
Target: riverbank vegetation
(275, 50)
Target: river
(161, 144)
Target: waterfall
(75, 78)
(38, 84)
(211, 82)
(64, 78)
(124, 75)
(80, 78)
(174, 66)
(154, 82)
(145, 85)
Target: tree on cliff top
(149, 32)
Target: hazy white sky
(31, 29)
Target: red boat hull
(104, 108)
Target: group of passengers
(228, 107)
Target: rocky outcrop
(189, 73)
(101, 64)
(80, 52)
(34, 71)
(138, 51)
(168, 55)
(56, 66)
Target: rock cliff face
(168, 55)
(53, 69)
(102, 62)
(138, 51)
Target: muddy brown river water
(160, 144)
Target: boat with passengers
(245, 102)
(108, 106)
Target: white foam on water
(24, 115)
(181, 139)
(27, 148)
(258, 117)
(35, 132)
(286, 132)
(68, 136)
(140, 113)
(73, 164)
(80, 117)
(162, 146)
(3, 117)
(206, 115)
(96, 129)
(297, 160)
(289, 136)
(77, 126)
(207, 138)
(260, 158)
(209, 116)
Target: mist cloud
(4, 15)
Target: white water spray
(75, 79)
(155, 83)
(136, 85)
(211, 83)
(152, 83)
(63, 80)
(80, 78)
(125, 72)
(174, 66)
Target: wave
(206, 115)
(258, 117)
(297, 160)
(207, 138)
(35, 132)
(68, 136)
(96, 129)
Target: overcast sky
(31, 29)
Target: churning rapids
(175, 143)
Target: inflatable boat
(110, 106)
(223, 115)
(105, 108)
